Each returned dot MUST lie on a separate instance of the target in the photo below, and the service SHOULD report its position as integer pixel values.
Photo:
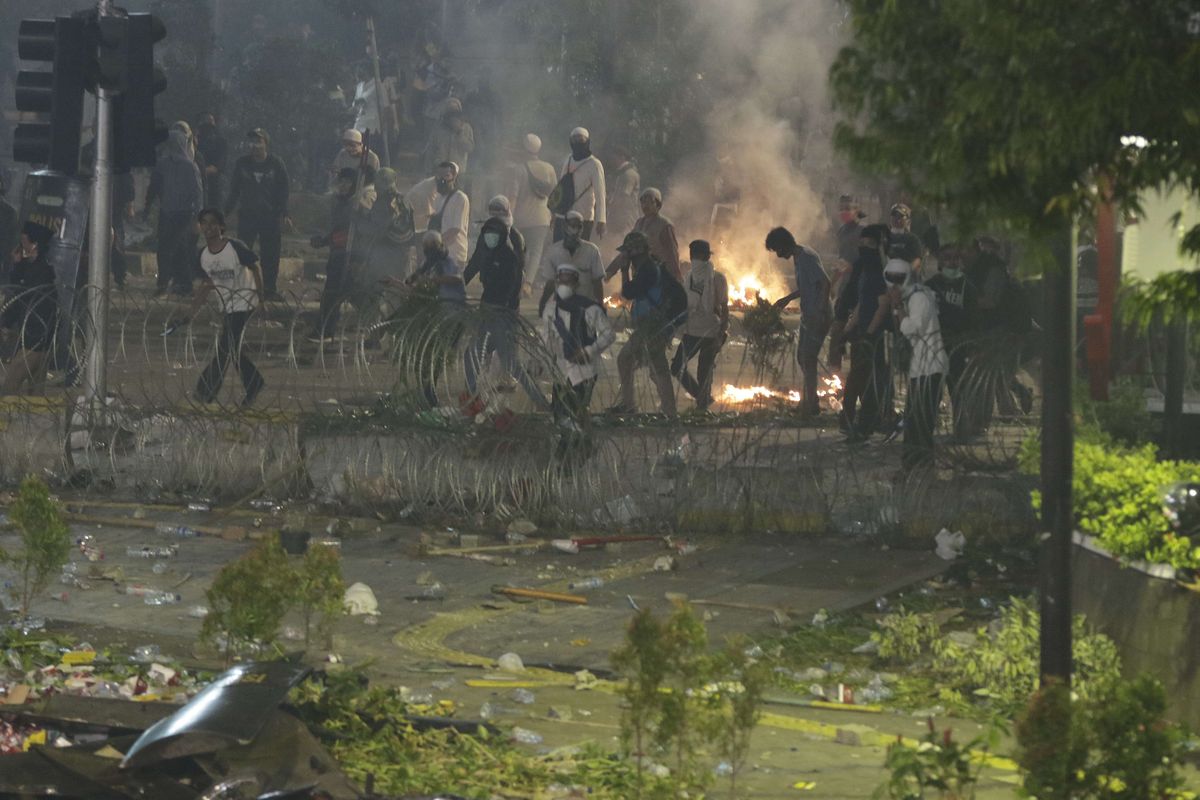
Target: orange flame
(737, 395)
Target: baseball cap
(634, 239)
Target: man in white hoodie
(915, 308)
(707, 324)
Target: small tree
(686, 720)
(739, 697)
(320, 590)
(249, 597)
(643, 662)
(45, 539)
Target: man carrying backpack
(659, 306)
(580, 188)
(816, 312)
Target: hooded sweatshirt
(499, 268)
(176, 181)
(921, 327)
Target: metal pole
(1177, 335)
(1054, 590)
(387, 159)
(95, 378)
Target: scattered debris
(948, 545)
(359, 599)
(510, 662)
(538, 594)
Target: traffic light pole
(95, 377)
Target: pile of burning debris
(830, 393)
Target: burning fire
(744, 291)
(736, 395)
(612, 301)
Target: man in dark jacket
(30, 312)
(653, 328)
(260, 184)
(957, 309)
(211, 143)
(176, 184)
(499, 269)
(869, 373)
(337, 268)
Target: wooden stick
(538, 594)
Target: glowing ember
(612, 301)
(736, 395)
(832, 392)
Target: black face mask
(581, 150)
(445, 187)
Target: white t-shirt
(236, 289)
(586, 259)
(420, 199)
(456, 215)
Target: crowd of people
(543, 234)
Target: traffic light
(64, 43)
(137, 132)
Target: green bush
(45, 540)
(903, 637)
(1114, 746)
(1118, 499)
(1002, 663)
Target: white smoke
(767, 67)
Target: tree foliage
(1009, 111)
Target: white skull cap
(567, 268)
(352, 135)
(581, 133)
(533, 144)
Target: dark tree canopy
(1008, 111)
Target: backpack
(671, 298)
(541, 189)
(562, 198)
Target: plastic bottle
(91, 551)
(157, 598)
(586, 583)
(525, 736)
(152, 551)
(182, 531)
(199, 507)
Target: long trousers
(229, 347)
(699, 387)
(263, 230)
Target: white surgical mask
(491, 240)
(564, 291)
(897, 230)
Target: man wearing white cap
(581, 254)
(659, 230)
(351, 155)
(580, 188)
(532, 182)
(576, 330)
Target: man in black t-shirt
(259, 190)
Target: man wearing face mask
(453, 216)
(580, 188)
(957, 307)
(576, 330)
(916, 313)
(499, 208)
(660, 232)
(706, 327)
(499, 269)
(578, 252)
